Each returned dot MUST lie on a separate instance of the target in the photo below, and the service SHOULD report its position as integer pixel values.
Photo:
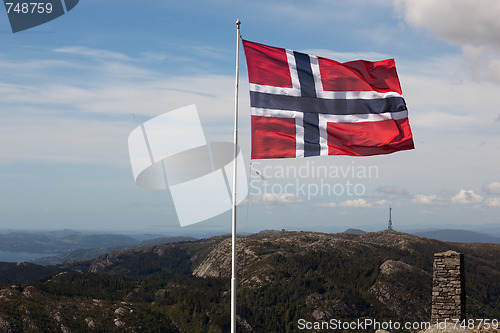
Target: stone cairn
(448, 287)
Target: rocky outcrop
(395, 294)
(254, 251)
(217, 263)
(390, 267)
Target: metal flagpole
(233, 253)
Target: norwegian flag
(305, 105)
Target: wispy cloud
(465, 197)
(49, 117)
(430, 199)
(492, 188)
(61, 140)
(493, 202)
(462, 198)
(93, 53)
(210, 52)
(482, 19)
(154, 56)
(327, 205)
(392, 192)
(271, 198)
(362, 203)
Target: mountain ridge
(58, 242)
(458, 236)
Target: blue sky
(72, 90)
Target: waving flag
(305, 105)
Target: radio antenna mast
(389, 226)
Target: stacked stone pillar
(448, 287)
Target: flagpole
(235, 169)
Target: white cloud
(356, 203)
(362, 203)
(474, 25)
(327, 205)
(271, 198)
(392, 192)
(465, 197)
(457, 21)
(432, 199)
(492, 188)
(380, 203)
(493, 202)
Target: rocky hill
(283, 277)
(23, 272)
(355, 274)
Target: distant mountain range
(63, 245)
(57, 242)
(459, 236)
(447, 235)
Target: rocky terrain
(283, 277)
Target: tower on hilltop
(389, 226)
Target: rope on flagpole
(235, 170)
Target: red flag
(305, 105)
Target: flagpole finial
(238, 22)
